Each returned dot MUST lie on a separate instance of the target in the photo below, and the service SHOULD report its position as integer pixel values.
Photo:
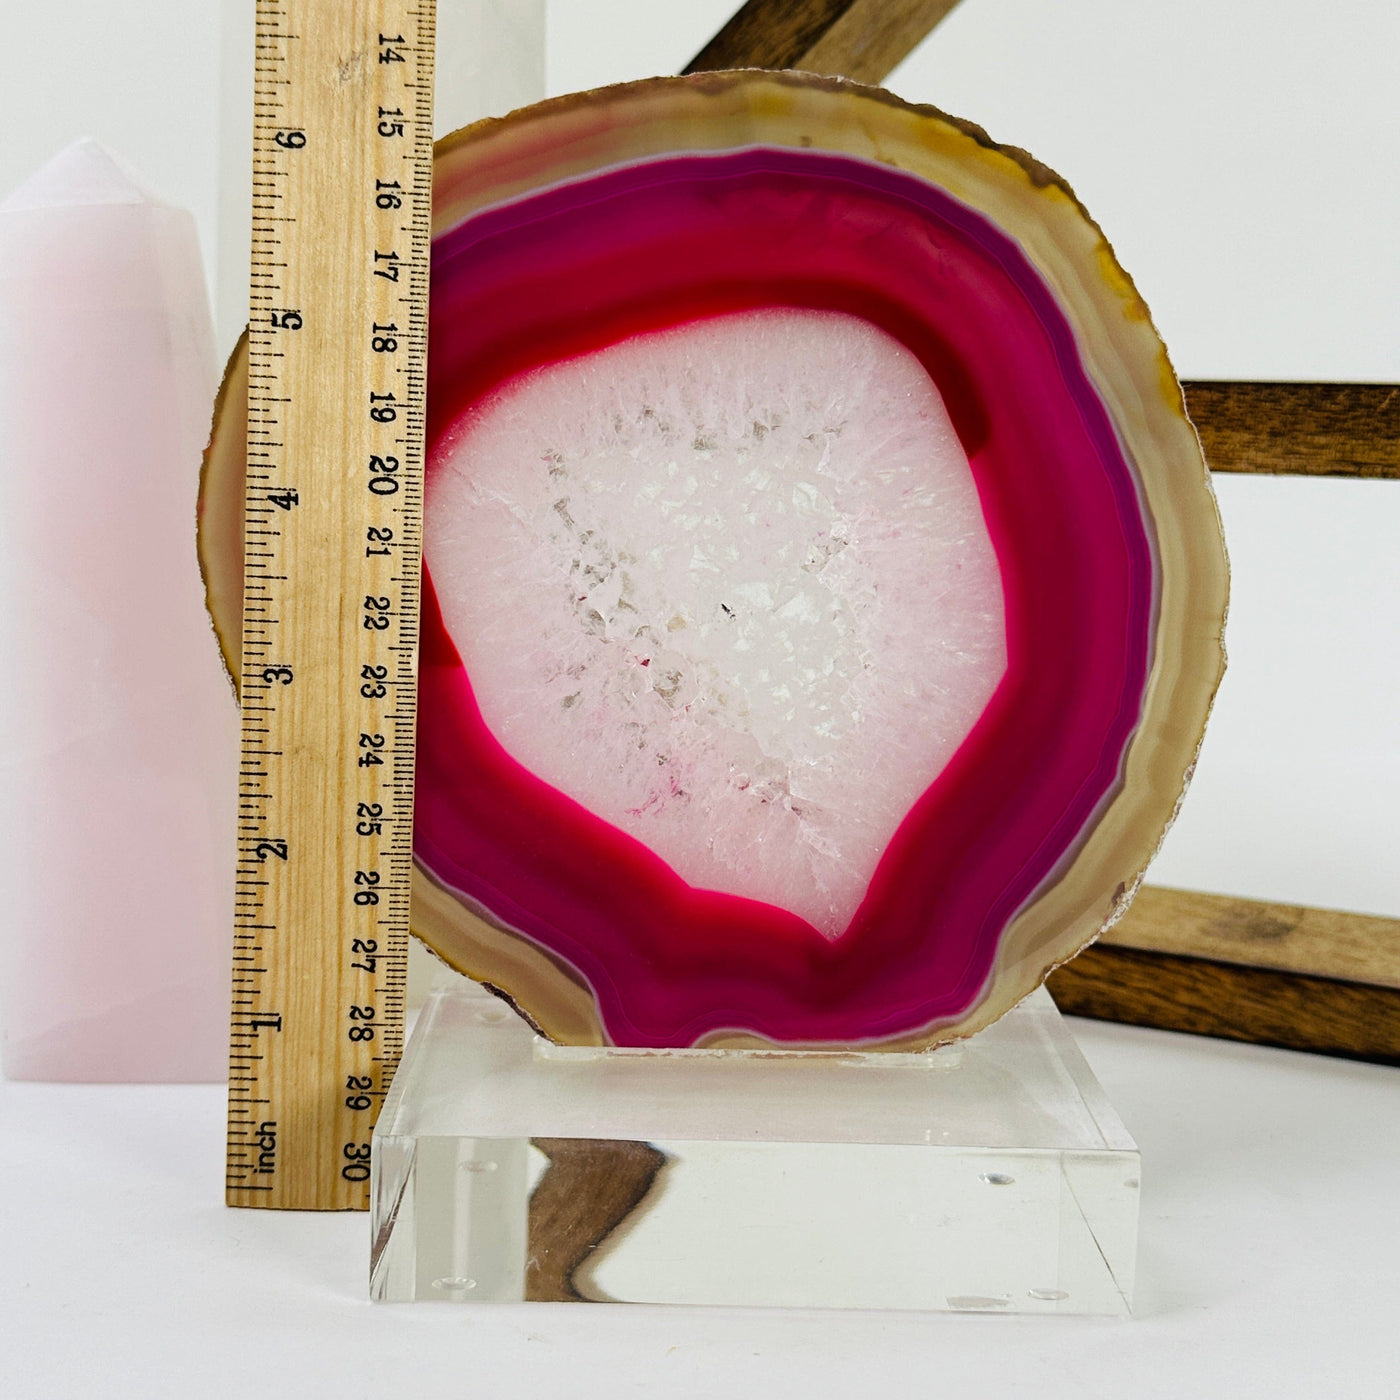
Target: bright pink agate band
(649, 245)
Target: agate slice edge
(1121, 354)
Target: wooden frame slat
(1298, 429)
(1253, 1004)
(1252, 933)
(861, 39)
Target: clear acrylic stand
(988, 1176)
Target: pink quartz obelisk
(120, 741)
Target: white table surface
(1269, 1266)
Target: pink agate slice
(653, 307)
(558, 320)
(729, 587)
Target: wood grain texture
(1235, 1003)
(1298, 429)
(325, 835)
(590, 1191)
(1248, 932)
(861, 39)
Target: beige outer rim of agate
(574, 136)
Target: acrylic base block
(986, 1176)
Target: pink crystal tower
(120, 741)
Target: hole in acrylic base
(989, 1176)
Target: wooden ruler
(342, 180)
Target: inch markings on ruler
(337, 342)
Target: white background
(1242, 156)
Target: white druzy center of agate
(729, 586)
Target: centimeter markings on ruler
(342, 181)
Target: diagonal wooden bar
(861, 39)
(1309, 979)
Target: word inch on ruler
(337, 339)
